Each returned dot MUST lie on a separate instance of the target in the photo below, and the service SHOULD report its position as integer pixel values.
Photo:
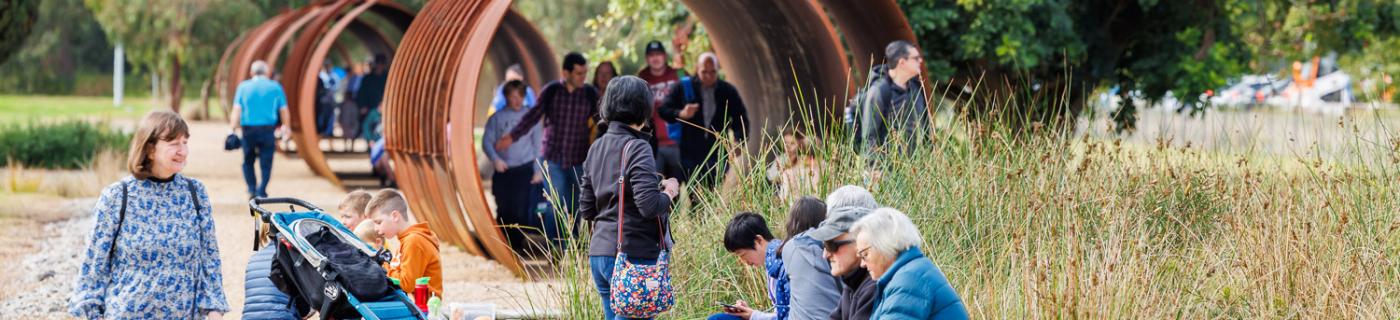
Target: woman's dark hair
(574, 59)
(513, 86)
(743, 228)
(806, 213)
(628, 101)
(599, 69)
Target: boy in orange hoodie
(418, 247)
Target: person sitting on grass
(814, 291)
(909, 285)
(417, 255)
(351, 213)
(844, 207)
(748, 238)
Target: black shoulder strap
(121, 217)
(194, 196)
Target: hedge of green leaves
(59, 145)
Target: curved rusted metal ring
(769, 49)
(313, 44)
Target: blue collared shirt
(261, 99)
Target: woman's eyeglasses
(863, 253)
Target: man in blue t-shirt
(260, 107)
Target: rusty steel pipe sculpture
(769, 49)
(314, 29)
(313, 44)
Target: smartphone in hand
(727, 308)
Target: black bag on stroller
(358, 273)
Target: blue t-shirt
(261, 99)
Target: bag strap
(622, 201)
(686, 87)
(194, 200)
(621, 193)
(121, 218)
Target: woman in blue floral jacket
(152, 253)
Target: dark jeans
(602, 267)
(563, 184)
(325, 118)
(670, 162)
(259, 144)
(516, 203)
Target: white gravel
(52, 271)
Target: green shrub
(58, 145)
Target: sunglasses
(833, 245)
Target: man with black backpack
(706, 107)
(893, 103)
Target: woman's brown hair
(156, 126)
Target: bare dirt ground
(42, 238)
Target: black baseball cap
(655, 46)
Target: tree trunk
(176, 92)
(203, 111)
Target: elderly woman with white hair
(909, 285)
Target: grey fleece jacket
(814, 291)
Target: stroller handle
(257, 204)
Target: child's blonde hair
(357, 202)
(386, 201)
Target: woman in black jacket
(647, 199)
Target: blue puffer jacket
(262, 299)
(914, 288)
(780, 291)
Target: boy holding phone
(748, 238)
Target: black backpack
(855, 108)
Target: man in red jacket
(660, 77)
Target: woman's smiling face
(169, 156)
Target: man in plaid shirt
(566, 106)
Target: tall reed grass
(1030, 223)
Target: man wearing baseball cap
(843, 207)
(660, 77)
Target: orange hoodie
(417, 257)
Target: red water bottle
(421, 293)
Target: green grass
(1050, 225)
(22, 108)
(70, 144)
(27, 108)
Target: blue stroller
(322, 264)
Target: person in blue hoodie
(909, 285)
(747, 237)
